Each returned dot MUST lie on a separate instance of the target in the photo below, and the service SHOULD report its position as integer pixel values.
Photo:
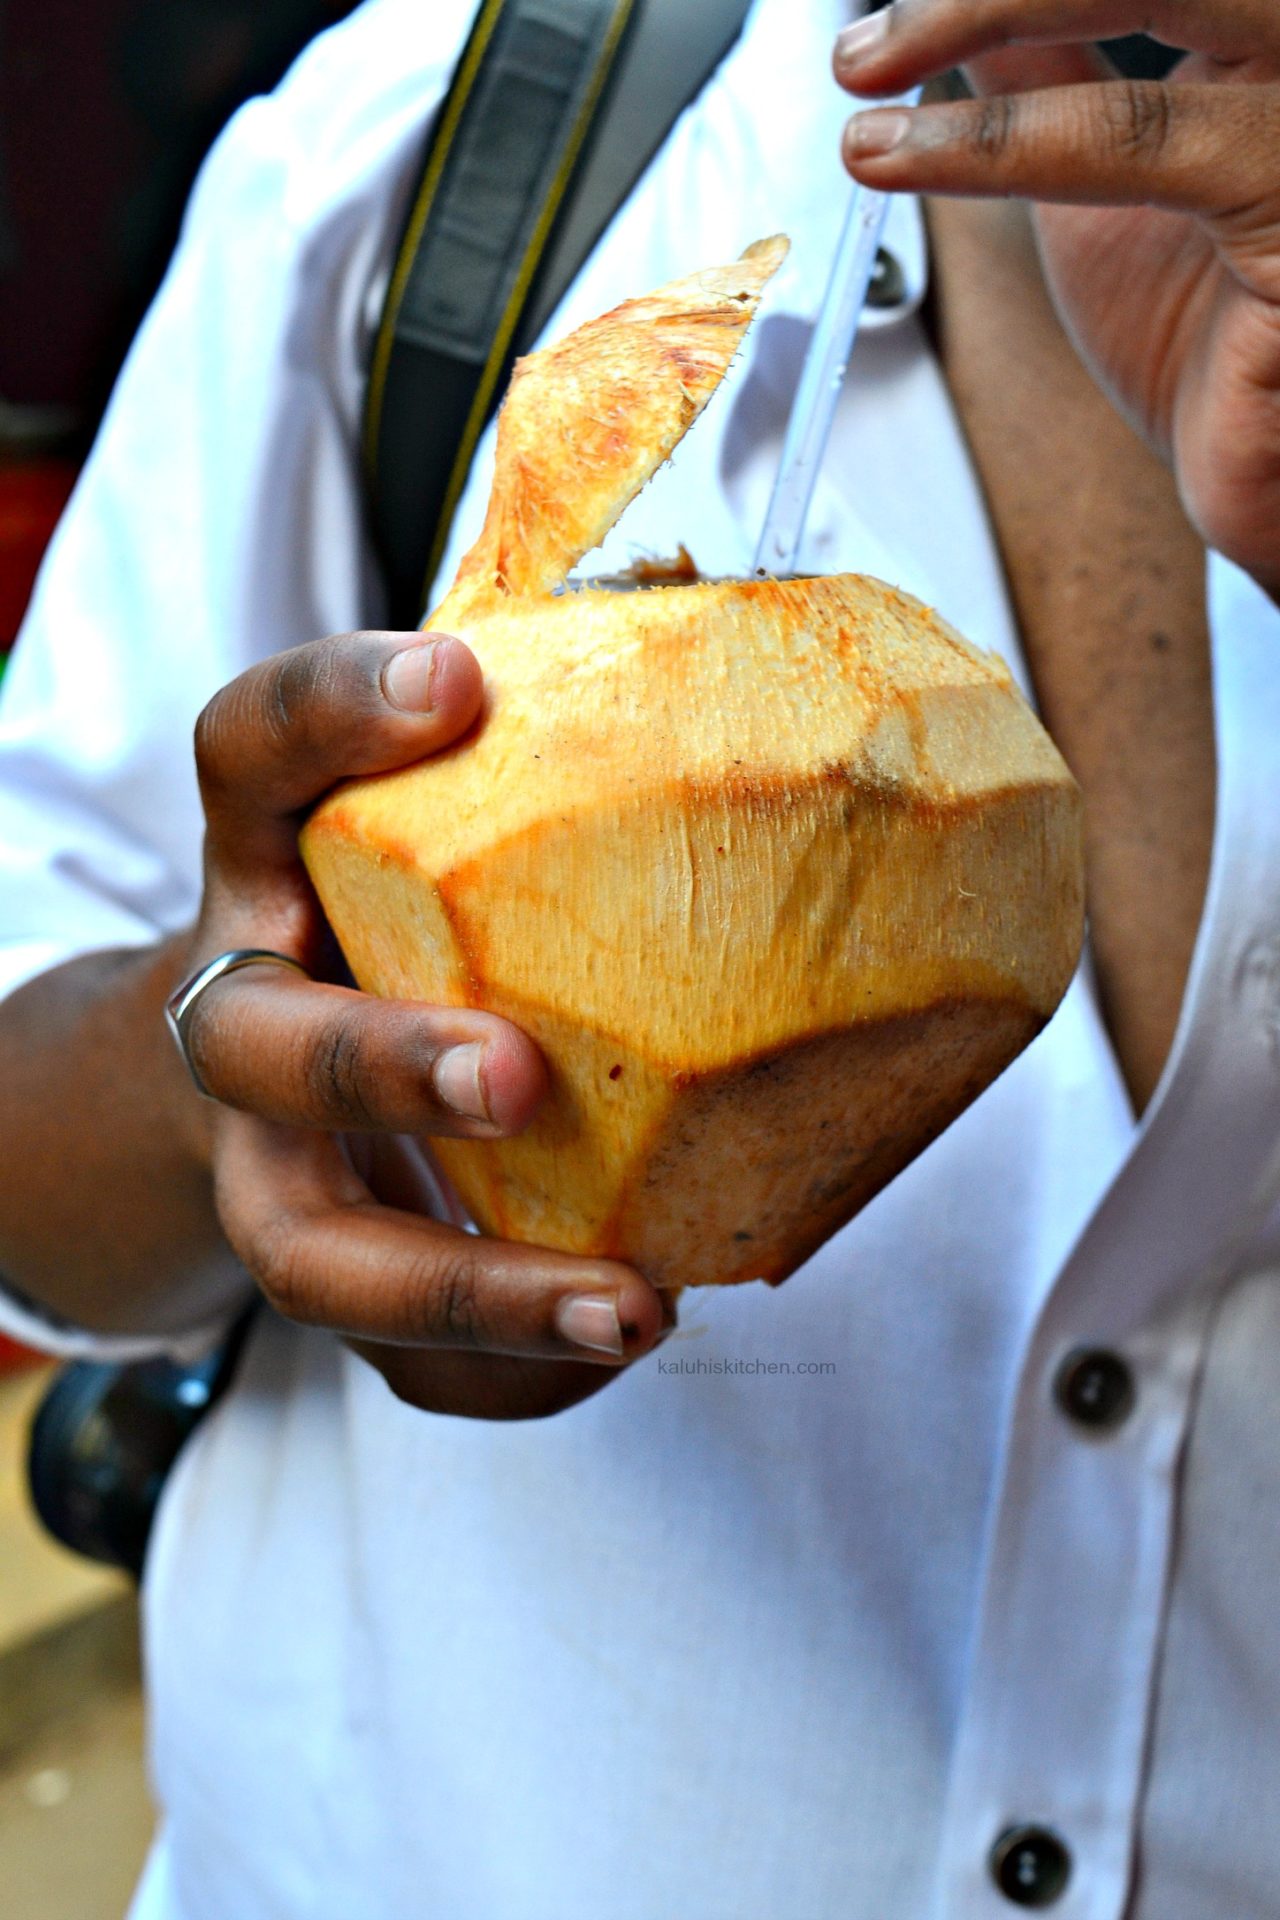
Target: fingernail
(408, 676)
(590, 1320)
(855, 43)
(458, 1081)
(878, 131)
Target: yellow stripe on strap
(460, 94)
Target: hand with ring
(1157, 209)
(321, 1091)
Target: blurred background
(107, 108)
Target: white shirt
(723, 1643)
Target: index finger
(313, 1055)
(905, 43)
(1202, 150)
(326, 1254)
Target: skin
(1107, 580)
(126, 1201)
(1156, 210)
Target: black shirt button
(1030, 1866)
(888, 284)
(1095, 1388)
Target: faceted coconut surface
(779, 875)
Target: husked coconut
(779, 874)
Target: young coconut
(779, 874)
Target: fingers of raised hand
(281, 735)
(308, 1055)
(891, 50)
(1194, 149)
(326, 1254)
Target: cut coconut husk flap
(779, 874)
(587, 423)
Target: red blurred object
(32, 495)
(16, 1359)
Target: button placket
(1067, 1642)
(1061, 1685)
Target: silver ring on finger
(181, 1004)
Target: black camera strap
(554, 110)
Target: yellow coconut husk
(779, 874)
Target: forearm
(1107, 578)
(106, 1207)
